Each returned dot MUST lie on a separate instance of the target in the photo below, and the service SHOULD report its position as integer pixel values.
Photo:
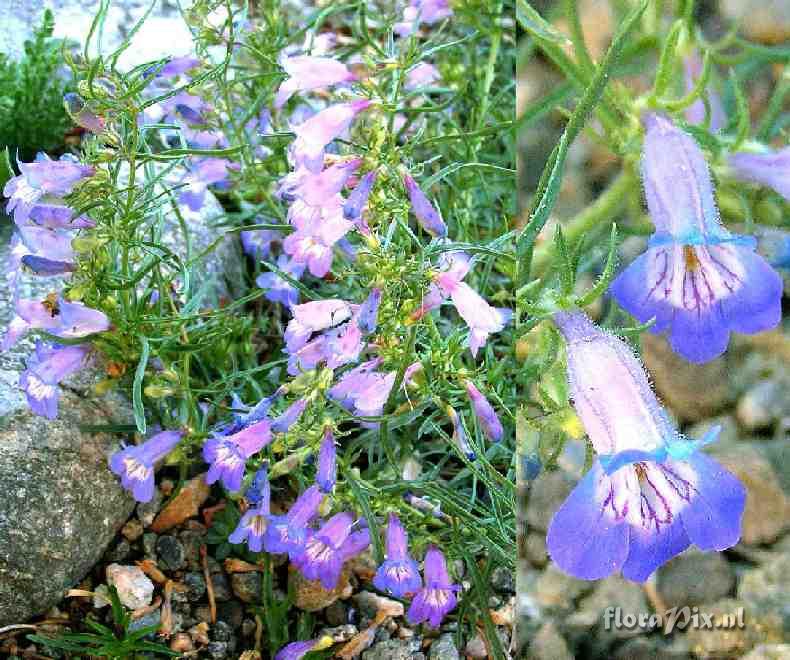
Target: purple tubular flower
(399, 574)
(356, 201)
(209, 171)
(327, 463)
(651, 492)
(42, 177)
(58, 216)
(227, 456)
(424, 211)
(257, 243)
(362, 390)
(459, 434)
(135, 464)
(485, 413)
(696, 279)
(46, 368)
(77, 320)
(278, 289)
(306, 73)
(367, 320)
(695, 113)
(254, 523)
(319, 130)
(259, 489)
(80, 115)
(313, 317)
(44, 267)
(316, 189)
(437, 597)
(326, 550)
(298, 650)
(771, 169)
(289, 417)
(288, 533)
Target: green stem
(601, 213)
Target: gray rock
(763, 404)
(766, 589)
(163, 34)
(694, 578)
(443, 648)
(146, 511)
(134, 588)
(340, 633)
(196, 586)
(391, 649)
(171, 553)
(548, 492)
(655, 648)
(61, 505)
(557, 590)
(246, 587)
(548, 644)
(613, 592)
(503, 580)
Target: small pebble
(181, 643)
(149, 545)
(246, 586)
(443, 648)
(171, 553)
(132, 530)
(336, 614)
(146, 511)
(221, 587)
(476, 648)
(119, 553)
(196, 586)
(134, 588)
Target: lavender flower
(485, 413)
(46, 368)
(56, 216)
(424, 211)
(278, 289)
(651, 492)
(57, 316)
(326, 550)
(298, 650)
(437, 597)
(363, 390)
(227, 456)
(288, 533)
(482, 318)
(459, 434)
(696, 279)
(208, 171)
(327, 463)
(695, 113)
(306, 73)
(81, 115)
(289, 417)
(135, 464)
(769, 168)
(320, 129)
(399, 574)
(313, 317)
(254, 523)
(257, 243)
(315, 189)
(367, 320)
(352, 208)
(426, 11)
(42, 177)
(422, 75)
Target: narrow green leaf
(667, 63)
(536, 25)
(600, 287)
(6, 170)
(743, 120)
(700, 85)
(362, 499)
(137, 387)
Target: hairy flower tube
(482, 318)
(57, 316)
(327, 549)
(698, 281)
(424, 210)
(288, 533)
(298, 650)
(327, 463)
(228, 455)
(46, 368)
(306, 73)
(650, 493)
(42, 178)
(135, 464)
(436, 597)
(768, 168)
(398, 574)
(255, 521)
(485, 413)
